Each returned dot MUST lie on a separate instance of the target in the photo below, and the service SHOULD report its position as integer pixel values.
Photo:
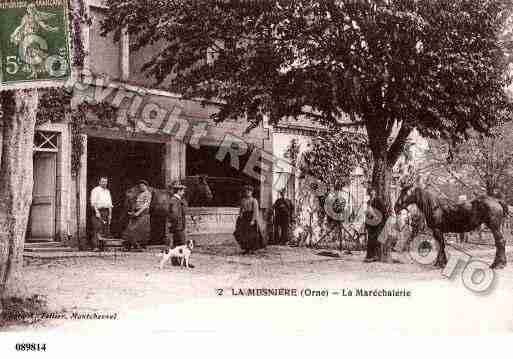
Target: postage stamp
(34, 44)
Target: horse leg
(441, 259)
(500, 260)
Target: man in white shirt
(101, 206)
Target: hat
(144, 182)
(178, 185)
(248, 187)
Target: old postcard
(329, 169)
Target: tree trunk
(81, 246)
(17, 126)
(381, 182)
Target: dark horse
(444, 217)
(198, 193)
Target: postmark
(34, 44)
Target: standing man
(374, 223)
(101, 205)
(283, 217)
(176, 214)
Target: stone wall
(211, 220)
(219, 220)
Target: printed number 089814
(30, 347)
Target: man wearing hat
(283, 216)
(176, 214)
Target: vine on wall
(77, 120)
(332, 159)
(78, 16)
(292, 152)
(55, 107)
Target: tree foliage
(438, 66)
(481, 165)
(332, 158)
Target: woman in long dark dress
(247, 231)
(137, 232)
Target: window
(45, 141)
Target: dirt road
(147, 300)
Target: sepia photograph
(252, 169)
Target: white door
(42, 212)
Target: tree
(334, 155)
(480, 165)
(386, 66)
(18, 120)
(18, 116)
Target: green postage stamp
(34, 44)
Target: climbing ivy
(78, 16)
(55, 104)
(292, 152)
(55, 107)
(333, 156)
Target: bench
(112, 243)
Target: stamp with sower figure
(34, 44)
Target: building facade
(155, 135)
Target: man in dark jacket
(283, 216)
(176, 214)
(374, 224)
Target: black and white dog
(182, 252)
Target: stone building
(156, 136)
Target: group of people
(248, 230)
(137, 232)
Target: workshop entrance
(124, 163)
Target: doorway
(124, 163)
(41, 225)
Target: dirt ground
(131, 287)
